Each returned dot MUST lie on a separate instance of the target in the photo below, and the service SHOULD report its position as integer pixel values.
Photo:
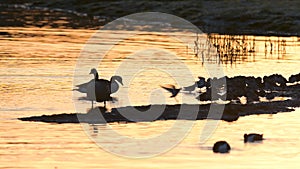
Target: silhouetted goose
(115, 81)
(172, 89)
(274, 81)
(221, 147)
(280, 80)
(253, 83)
(190, 88)
(294, 78)
(201, 82)
(99, 90)
(253, 137)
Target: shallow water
(36, 77)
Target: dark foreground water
(224, 17)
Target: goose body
(253, 137)
(221, 147)
(99, 90)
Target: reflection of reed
(232, 49)
(275, 47)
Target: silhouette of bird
(221, 147)
(171, 88)
(252, 137)
(99, 90)
(274, 81)
(198, 84)
(190, 88)
(294, 78)
(115, 81)
(201, 82)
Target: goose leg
(104, 104)
(92, 104)
(176, 99)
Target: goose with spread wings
(99, 90)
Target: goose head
(94, 72)
(117, 79)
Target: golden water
(36, 77)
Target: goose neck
(96, 76)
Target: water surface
(36, 77)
